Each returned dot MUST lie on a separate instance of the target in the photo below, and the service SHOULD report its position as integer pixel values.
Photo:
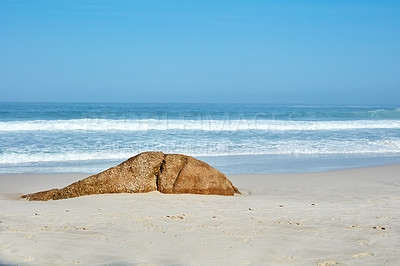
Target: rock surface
(145, 172)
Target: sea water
(235, 138)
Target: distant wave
(202, 125)
(384, 113)
(343, 112)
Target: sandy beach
(297, 103)
(347, 217)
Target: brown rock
(173, 164)
(148, 171)
(185, 174)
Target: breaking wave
(310, 147)
(202, 125)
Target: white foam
(201, 125)
(312, 147)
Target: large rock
(148, 171)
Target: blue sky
(201, 51)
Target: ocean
(234, 138)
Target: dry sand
(349, 217)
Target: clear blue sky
(200, 51)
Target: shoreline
(34, 182)
(228, 164)
(347, 217)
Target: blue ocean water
(235, 138)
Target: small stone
(379, 228)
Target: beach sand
(348, 217)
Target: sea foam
(201, 125)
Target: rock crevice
(160, 172)
(145, 172)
